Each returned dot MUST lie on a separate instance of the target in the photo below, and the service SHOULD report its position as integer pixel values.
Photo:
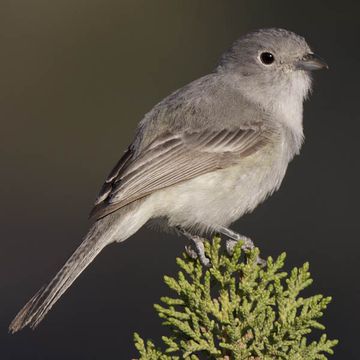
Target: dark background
(75, 78)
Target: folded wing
(173, 158)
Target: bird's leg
(199, 246)
(233, 238)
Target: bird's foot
(199, 251)
(191, 252)
(234, 238)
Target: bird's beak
(311, 62)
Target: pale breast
(221, 197)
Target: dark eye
(267, 58)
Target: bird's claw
(199, 254)
(261, 262)
(191, 252)
(199, 251)
(247, 246)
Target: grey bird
(202, 157)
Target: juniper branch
(238, 310)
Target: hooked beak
(311, 62)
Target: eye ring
(267, 58)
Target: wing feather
(173, 158)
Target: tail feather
(114, 227)
(40, 304)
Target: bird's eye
(267, 58)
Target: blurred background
(76, 77)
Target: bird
(202, 157)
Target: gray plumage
(204, 156)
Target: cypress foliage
(236, 309)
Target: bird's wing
(173, 158)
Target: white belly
(220, 197)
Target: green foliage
(238, 310)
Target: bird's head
(272, 62)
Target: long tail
(38, 306)
(101, 234)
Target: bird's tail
(38, 306)
(103, 232)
